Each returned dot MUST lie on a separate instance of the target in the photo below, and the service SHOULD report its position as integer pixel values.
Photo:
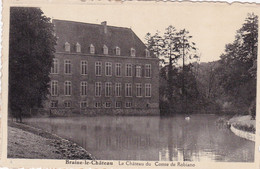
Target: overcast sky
(211, 25)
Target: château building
(101, 69)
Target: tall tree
(154, 44)
(170, 48)
(210, 93)
(170, 51)
(237, 71)
(186, 50)
(31, 51)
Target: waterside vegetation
(225, 86)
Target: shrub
(252, 109)
(250, 128)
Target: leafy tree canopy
(31, 51)
(237, 70)
(171, 47)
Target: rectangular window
(133, 52)
(148, 89)
(54, 103)
(92, 49)
(105, 50)
(138, 90)
(67, 88)
(67, 104)
(147, 53)
(118, 104)
(108, 89)
(83, 104)
(83, 88)
(108, 69)
(97, 104)
(54, 88)
(98, 89)
(128, 104)
(118, 69)
(67, 47)
(78, 48)
(84, 67)
(128, 70)
(108, 105)
(67, 67)
(118, 89)
(128, 89)
(117, 51)
(98, 68)
(54, 68)
(138, 71)
(147, 70)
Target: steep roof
(86, 34)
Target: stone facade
(80, 37)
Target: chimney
(104, 23)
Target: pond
(152, 138)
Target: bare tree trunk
(183, 71)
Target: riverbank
(28, 142)
(243, 126)
(244, 123)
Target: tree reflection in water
(151, 137)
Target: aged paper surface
(113, 140)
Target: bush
(250, 128)
(252, 109)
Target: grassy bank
(245, 123)
(28, 142)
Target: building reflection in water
(151, 138)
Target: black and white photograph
(133, 84)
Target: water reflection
(152, 138)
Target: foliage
(211, 94)
(153, 43)
(237, 70)
(252, 109)
(31, 50)
(250, 128)
(170, 48)
(178, 104)
(229, 84)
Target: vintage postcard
(107, 84)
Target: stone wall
(243, 134)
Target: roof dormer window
(117, 50)
(132, 52)
(78, 48)
(105, 50)
(92, 49)
(67, 47)
(147, 53)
